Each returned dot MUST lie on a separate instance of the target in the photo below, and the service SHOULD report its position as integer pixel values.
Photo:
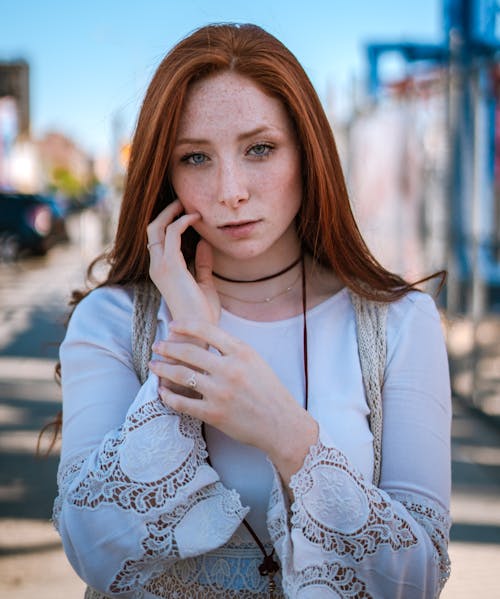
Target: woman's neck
(263, 289)
(279, 297)
(259, 268)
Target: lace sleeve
(345, 537)
(135, 492)
(131, 507)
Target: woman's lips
(240, 229)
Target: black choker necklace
(277, 274)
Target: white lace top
(141, 513)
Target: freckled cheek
(295, 183)
(287, 182)
(194, 196)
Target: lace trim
(436, 522)
(277, 520)
(329, 580)
(216, 513)
(118, 478)
(65, 475)
(177, 589)
(229, 571)
(335, 509)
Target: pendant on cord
(269, 567)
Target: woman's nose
(232, 186)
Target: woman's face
(236, 161)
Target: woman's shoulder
(414, 315)
(104, 308)
(107, 298)
(415, 304)
(100, 327)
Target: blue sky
(92, 60)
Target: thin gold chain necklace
(266, 300)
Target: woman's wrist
(288, 455)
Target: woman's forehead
(229, 99)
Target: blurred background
(412, 92)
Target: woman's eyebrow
(191, 140)
(244, 135)
(256, 131)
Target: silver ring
(192, 382)
(150, 245)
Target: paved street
(33, 299)
(33, 295)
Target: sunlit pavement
(32, 308)
(33, 299)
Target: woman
(246, 458)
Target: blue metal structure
(411, 52)
(468, 49)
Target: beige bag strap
(146, 304)
(371, 320)
(91, 593)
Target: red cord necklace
(269, 565)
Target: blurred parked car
(29, 223)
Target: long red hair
(325, 223)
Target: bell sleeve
(135, 492)
(342, 535)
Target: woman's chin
(242, 253)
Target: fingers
(188, 354)
(204, 263)
(165, 223)
(206, 332)
(156, 228)
(174, 231)
(181, 375)
(179, 403)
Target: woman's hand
(186, 297)
(241, 394)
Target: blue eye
(261, 150)
(195, 159)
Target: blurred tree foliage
(65, 181)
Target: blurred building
(15, 125)
(397, 168)
(66, 165)
(423, 155)
(31, 165)
(8, 134)
(423, 164)
(15, 83)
